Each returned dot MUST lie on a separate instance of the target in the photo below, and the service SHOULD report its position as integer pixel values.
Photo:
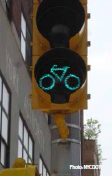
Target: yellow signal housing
(20, 168)
(39, 46)
(59, 120)
(78, 43)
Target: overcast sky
(100, 76)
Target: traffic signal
(20, 168)
(59, 68)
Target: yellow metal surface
(40, 99)
(59, 120)
(19, 163)
(19, 170)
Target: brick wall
(90, 157)
(26, 7)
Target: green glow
(47, 76)
(53, 71)
(64, 69)
(73, 76)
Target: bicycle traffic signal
(59, 69)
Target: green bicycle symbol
(60, 78)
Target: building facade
(24, 132)
(90, 157)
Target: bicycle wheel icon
(44, 77)
(60, 78)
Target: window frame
(43, 163)
(8, 116)
(22, 35)
(27, 39)
(22, 140)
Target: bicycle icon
(60, 78)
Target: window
(28, 50)
(4, 123)
(42, 168)
(25, 142)
(23, 36)
(25, 42)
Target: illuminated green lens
(47, 76)
(72, 76)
